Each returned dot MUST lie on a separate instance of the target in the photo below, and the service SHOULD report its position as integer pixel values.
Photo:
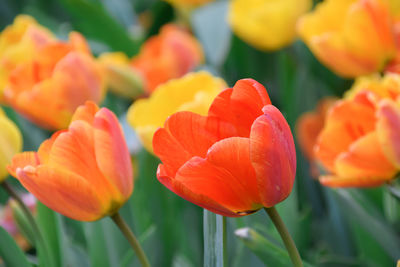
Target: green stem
(224, 241)
(284, 233)
(123, 226)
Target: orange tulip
(359, 143)
(308, 127)
(60, 77)
(351, 37)
(238, 159)
(170, 54)
(18, 43)
(84, 172)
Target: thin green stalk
(39, 239)
(214, 230)
(126, 231)
(284, 233)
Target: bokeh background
(331, 227)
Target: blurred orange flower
(188, 3)
(238, 159)
(359, 143)
(18, 43)
(58, 78)
(351, 37)
(308, 127)
(84, 172)
(170, 54)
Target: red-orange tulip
(236, 160)
(84, 172)
(61, 76)
(170, 54)
(359, 144)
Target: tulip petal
(86, 112)
(273, 155)
(342, 129)
(21, 160)
(63, 191)
(364, 159)
(74, 150)
(186, 135)
(335, 181)
(198, 199)
(388, 129)
(111, 151)
(241, 105)
(225, 176)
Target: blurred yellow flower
(351, 37)
(10, 143)
(266, 25)
(121, 78)
(193, 92)
(18, 43)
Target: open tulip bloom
(235, 161)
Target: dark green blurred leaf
(362, 211)
(23, 225)
(10, 252)
(90, 18)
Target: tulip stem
(127, 232)
(287, 239)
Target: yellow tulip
(121, 78)
(351, 37)
(266, 25)
(10, 143)
(18, 43)
(193, 92)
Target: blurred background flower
(266, 25)
(170, 54)
(10, 143)
(337, 30)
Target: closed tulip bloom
(337, 30)
(84, 172)
(358, 144)
(60, 77)
(120, 77)
(266, 25)
(170, 54)
(10, 143)
(18, 43)
(238, 159)
(193, 92)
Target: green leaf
(23, 224)
(268, 251)
(359, 209)
(49, 224)
(214, 240)
(10, 252)
(91, 18)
